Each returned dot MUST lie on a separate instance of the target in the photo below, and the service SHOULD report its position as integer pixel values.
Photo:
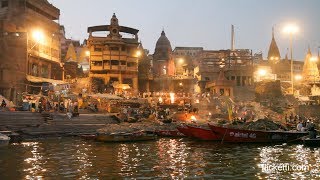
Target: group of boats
(212, 132)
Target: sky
(202, 23)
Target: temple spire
(273, 53)
(272, 32)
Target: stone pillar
(135, 84)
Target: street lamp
(291, 29)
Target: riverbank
(37, 125)
(33, 125)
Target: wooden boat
(311, 142)
(4, 140)
(126, 137)
(88, 136)
(255, 136)
(185, 130)
(169, 133)
(203, 133)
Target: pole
(291, 64)
(27, 57)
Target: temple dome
(163, 48)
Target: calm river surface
(73, 158)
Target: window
(4, 4)
(114, 62)
(114, 48)
(96, 63)
(98, 49)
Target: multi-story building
(185, 59)
(114, 58)
(237, 66)
(29, 45)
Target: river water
(165, 158)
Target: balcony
(96, 68)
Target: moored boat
(126, 137)
(255, 136)
(203, 133)
(311, 142)
(4, 139)
(169, 133)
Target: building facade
(30, 45)
(113, 58)
(237, 65)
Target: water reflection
(34, 164)
(162, 159)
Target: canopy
(121, 86)
(106, 96)
(42, 80)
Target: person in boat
(3, 103)
(299, 126)
(312, 133)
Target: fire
(193, 118)
(160, 100)
(172, 98)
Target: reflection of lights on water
(172, 98)
(283, 162)
(35, 161)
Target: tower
(162, 57)
(273, 53)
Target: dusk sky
(204, 23)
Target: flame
(160, 100)
(172, 98)
(193, 118)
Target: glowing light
(87, 53)
(180, 84)
(314, 59)
(262, 72)
(38, 35)
(197, 101)
(138, 53)
(181, 60)
(193, 118)
(160, 100)
(298, 77)
(172, 98)
(291, 29)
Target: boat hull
(204, 134)
(185, 130)
(312, 142)
(169, 133)
(124, 137)
(252, 136)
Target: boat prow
(126, 137)
(4, 139)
